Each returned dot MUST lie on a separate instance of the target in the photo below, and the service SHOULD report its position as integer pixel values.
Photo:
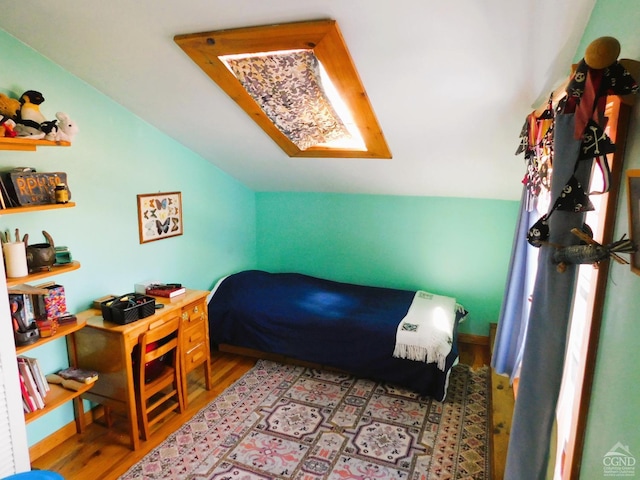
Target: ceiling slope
(450, 82)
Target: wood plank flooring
(502, 403)
(103, 453)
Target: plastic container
(128, 308)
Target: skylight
(354, 140)
(298, 82)
(318, 117)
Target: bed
(353, 328)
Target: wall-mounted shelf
(57, 395)
(61, 332)
(35, 208)
(34, 277)
(28, 144)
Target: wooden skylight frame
(327, 43)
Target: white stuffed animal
(67, 128)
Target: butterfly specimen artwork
(159, 216)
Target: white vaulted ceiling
(450, 82)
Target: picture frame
(159, 216)
(633, 195)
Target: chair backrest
(161, 338)
(162, 394)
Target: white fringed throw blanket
(425, 334)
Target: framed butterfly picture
(159, 216)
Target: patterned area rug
(290, 422)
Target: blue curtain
(543, 356)
(514, 314)
(540, 338)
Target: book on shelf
(7, 200)
(79, 375)
(167, 290)
(31, 385)
(36, 371)
(27, 399)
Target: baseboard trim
(473, 339)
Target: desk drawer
(195, 356)
(192, 335)
(195, 337)
(193, 312)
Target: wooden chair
(158, 374)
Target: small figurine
(9, 108)
(30, 119)
(591, 251)
(30, 102)
(67, 128)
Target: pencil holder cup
(15, 259)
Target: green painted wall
(452, 246)
(458, 247)
(614, 414)
(115, 157)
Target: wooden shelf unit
(63, 331)
(34, 277)
(28, 144)
(57, 395)
(35, 208)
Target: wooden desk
(107, 347)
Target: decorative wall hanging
(546, 321)
(585, 99)
(159, 216)
(536, 142)
(590, 251)
(633, 194)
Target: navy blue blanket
(346, 326)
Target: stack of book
(167, 290)
(33, 384)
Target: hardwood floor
(103, 453)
